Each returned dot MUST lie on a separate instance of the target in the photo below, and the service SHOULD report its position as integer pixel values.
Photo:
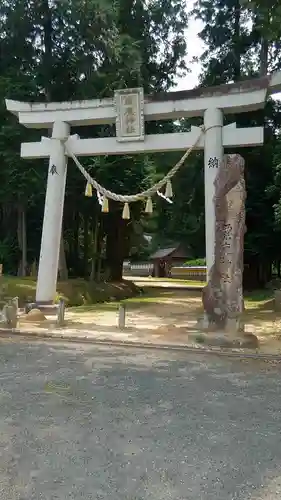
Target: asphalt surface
(82, 422)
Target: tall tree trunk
(22, 240)
(86, 244)
(99, 263)
(101, 246)
(47, 60)
(237, 41)
(95, 251)
(264, 57)
(265, 267)
(76, 256)
(63, 271)
(117, 244)
(258, 272)
(264, 51)
(24, 243)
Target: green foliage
(8, 253)
(238, 49)
(266, 16)
(77, 49)
(195, 262)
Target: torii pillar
(53, 215)
(213, 157)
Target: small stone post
(122, 317)
(61, 312)
(10, 314)
(1, 285)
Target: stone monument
(223, 295)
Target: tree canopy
(78, 49)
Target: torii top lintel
(242, 96)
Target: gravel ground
(81, 422)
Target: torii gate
(129, 110)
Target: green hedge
(196, 262)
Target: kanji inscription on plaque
(129, 104)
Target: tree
(74, 50)
(142, 27)
(227, 37)
(237, 50)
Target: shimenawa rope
(143, 194)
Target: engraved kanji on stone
(128, 100)
(130, 120)
(213, 162)
(53, 170)
(226, 278)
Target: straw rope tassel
(126, 212)
(149, 206)
(89, 190)
(166, 181)
(169, 190)
(105, 206)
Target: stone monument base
(229, 326)
(225, 340)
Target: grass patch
(86, 297)
(97, 307)
(75, 292)
(145, 299)
(260, 299)
(258, 296)
(200, 338)
(149, 297)
(172, 281)
(259, 302)
(130, 303)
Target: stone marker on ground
(34, 315)
(223, 295)
(60, 313)
(122, 316)
(10, 314)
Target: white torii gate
(129, 110)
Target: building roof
(163, 252)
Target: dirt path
(178, 308)
(162, 316)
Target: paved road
(81, 422)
